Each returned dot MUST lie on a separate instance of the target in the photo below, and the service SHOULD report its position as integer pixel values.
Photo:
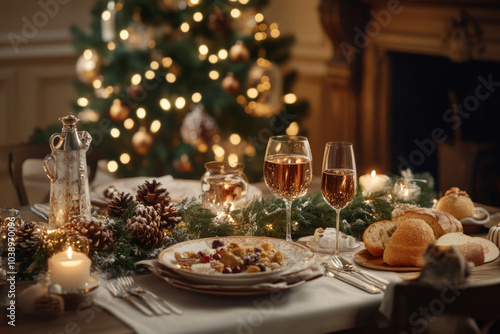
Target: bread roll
(472, 251)
(440, 221)
(457, 203)
(377, 235)
(408, 242)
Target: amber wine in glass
(338, 178)
(288, 171)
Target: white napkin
(319, 306)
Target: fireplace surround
(358, 98)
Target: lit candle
(373, 182)
(71, 270)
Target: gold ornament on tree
(88, 66)
(135, 92)
(239, 52)
(198, 128)
(119, 111)
(217, 21)
(231, 84)
(142, 141)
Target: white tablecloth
(319, 306)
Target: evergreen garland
(259, 217)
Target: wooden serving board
(365, 259)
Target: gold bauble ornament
(267, 78)
(239, 52)
(231, 84)
(135, 92)
(142, 141)
(119, 111)
(88, 66)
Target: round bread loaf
(441, 222)
(408, 242)
(457, 203)
(377, 235)
(471, 250)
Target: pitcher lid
(69, 121)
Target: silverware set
(340, 268)
(146, 301)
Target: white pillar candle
(71, 270)
(373, 182)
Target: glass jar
(224, 186)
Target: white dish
(297, 258)
(315, 247)
(480, 217)
(177, 188)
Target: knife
(330, 272)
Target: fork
(139, 292)
(118, 291)
(136, 288)
(341, 263)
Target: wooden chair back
(414, 304)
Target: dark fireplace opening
(445, 119)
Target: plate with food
(398, 245)
(236, 260)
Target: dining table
(322, 305)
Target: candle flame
(70, 253)
(373, 174)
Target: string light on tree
(129, 123)
(125, 158)
(112, 166)
(165, 104)
(82, 102)
(155, 126)
(88, 66)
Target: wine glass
(338, 178)
(288, 171)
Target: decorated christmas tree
(167, 85)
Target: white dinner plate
(297, 258)
(177, 188)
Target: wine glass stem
(337, 230)
(288, 220)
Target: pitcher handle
(46, 167)
(52, 139)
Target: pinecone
(151, 194)
(27, 236)
(169, 215)
(99, 234)
(110, 192)
(119, 204)
(146, 227)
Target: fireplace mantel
(358, 84)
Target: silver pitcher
(66, 168)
